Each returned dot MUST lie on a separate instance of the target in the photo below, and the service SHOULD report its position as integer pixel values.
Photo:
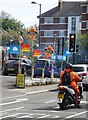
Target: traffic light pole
(73, 58)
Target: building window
(61, 33)
(87, 24)
(80, 18)
(48, 33)
(87, 8)
(73, 24)
(48, 20)
(62, 20)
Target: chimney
(60, 4)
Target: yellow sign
(20, 81)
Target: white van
(81, 70)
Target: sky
(27, 13)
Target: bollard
(20, 81)
(32, 74)
(52, 74)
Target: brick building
(57, 23)
(84, 28)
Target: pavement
(37, 87)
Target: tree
(83, 40)
(11, 28)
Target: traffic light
(77, 48)
(72, 43)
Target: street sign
(25, 48)
(61, 57)
(14, 49)
(36, 53)
(67, 53)
(20, 81)
(32, 32)
(53, 57)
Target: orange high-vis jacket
(74, 79)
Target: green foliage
(83, 40)
(11, 28)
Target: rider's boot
(78, 97)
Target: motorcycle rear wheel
(64, 104)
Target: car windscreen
(78, 69)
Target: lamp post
(39, 21)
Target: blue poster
(14, 49)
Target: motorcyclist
(74, 79)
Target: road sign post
(32, 32)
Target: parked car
(11, 66)
(81, 70)
(39, 65)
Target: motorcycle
(66, 96)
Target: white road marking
(7, 116)
(29, 93)
(16, 101)
(15, 115)
(34, 92)
(11, 109)
(25, 116)
(30, 115)
(76, 114)
(44, 116)
(85, 102)
(12, 97)
(50, 101)
(52, 111)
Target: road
(20, 103)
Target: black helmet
(69, 66)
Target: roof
(68, 9)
